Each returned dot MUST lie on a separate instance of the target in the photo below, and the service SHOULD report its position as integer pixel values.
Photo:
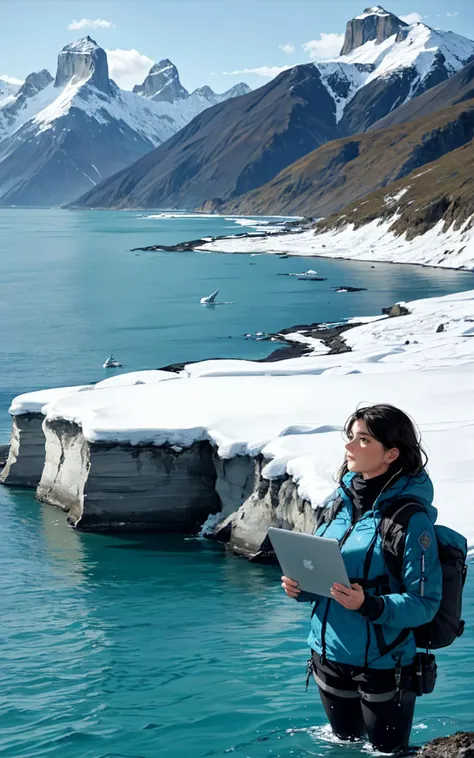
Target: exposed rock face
(374, 101)
(82, 60)
(25, 460)
(162, 83)
(373, 24)
(235, 481)
(460, 745)
(121, 486)
(35, 82)
(4, 451)
(272, 503)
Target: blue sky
(204, 38)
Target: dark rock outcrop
(459, 745)
(396, 310)
(4, 450)
(374, 23)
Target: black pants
(361, 701)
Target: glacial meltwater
(157, 646)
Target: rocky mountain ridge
(60, 136)
(234, 150)
(347, 169)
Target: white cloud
(268, 71)
(89, 23)
(288, 48)
(128, 67)
(327, 46)
(451, 15)
(412, 18)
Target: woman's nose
(348, 445)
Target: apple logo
(308, 564)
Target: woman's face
(366, 455)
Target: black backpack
(447, 624)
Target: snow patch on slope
(8, 86)
(453, 248)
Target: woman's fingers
(350, 598)
(291, 587)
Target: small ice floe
(350, 289)
(210, 299)
(310, 275)
(305, 274)
(111, 362)
(258, 336)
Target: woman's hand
(291, 588)
(351, 599)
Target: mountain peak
(84, 45)
(205, 92)
(162, 83)
(83, 60)
(35, 82)
(375, 10)
(237, 90)
(375, 23)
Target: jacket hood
(419, 487)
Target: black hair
(392, 428)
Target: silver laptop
(315, 563)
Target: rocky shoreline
(459, 745)
(286, 227)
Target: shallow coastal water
(150, 647)
(147, 647)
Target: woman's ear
(392, 455)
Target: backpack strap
(393, 529)
(328, 510)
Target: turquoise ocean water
(142, 647)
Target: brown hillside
(345, 170)
(443, 190)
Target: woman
(364, 688)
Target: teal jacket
(349, 637)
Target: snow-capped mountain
(8, 86)
(26, 102)
(163, 85)
(244, 144)
(385, 62)
(59, 137)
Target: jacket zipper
(342, 542)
